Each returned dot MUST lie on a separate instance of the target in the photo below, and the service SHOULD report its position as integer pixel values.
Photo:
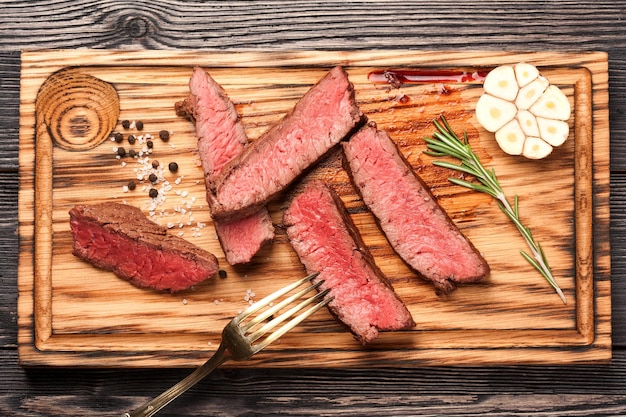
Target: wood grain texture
(559, 25)
(112, 315)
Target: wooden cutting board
(76, 315)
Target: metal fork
(245, 336)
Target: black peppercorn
(149, 144)
(139, 125)
(153, 193)
(131, 185)
(132, 153)
(173, 166)
(118, 137)
(164, 135)
(132, 139)
(152, 178)
(126, 124)
(155, 164)
(121, 152)
(222, 273)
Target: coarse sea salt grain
(249, 297)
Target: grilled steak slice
(322, 117)
(221, 136)
(120, 238)
(418, 229)
(326, 241)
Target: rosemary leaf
(445, 142)
(471, 185)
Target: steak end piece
(418, 229)
(325, 115)
(241, 239)
(120, 238)
(327, 241)
(221, 137)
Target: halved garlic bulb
(527, 114)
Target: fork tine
(279, 306)
(290, 324)
(273, 296)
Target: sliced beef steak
(322, 118)
(416, 226)
(326, 241)
(221, 137)
(120, 238)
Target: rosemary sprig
(444, 142)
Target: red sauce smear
(397, 77)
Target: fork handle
(152, 407)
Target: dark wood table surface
(560, 25)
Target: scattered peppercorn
(222, 273)
(126, 124)
(164, 135)
(155, 164)
(149, 144)
(132, 153)
(132, 139)
(118, 137)
(139, 125)
(121, 152)
(173, 166)
(152, 178)
(153, 193)
(131, 185)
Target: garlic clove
(528, 122)
(554, 132)
(553, 104)
(493, 113)
(511, 138)
(529, 94)
(525, 73)
(501, 83)
(536, 148)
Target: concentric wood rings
(79, 110)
